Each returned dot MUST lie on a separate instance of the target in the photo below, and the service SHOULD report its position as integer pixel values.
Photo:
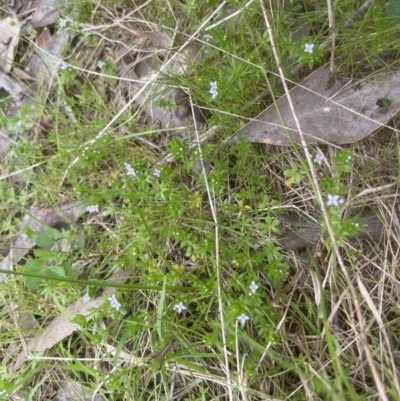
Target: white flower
(253, 287)
(207, 37)
(76, 326)
(334, 200)
(86, 298)
(213, 89)
(157, 173)
(24, 236)
(114, 302)
(309, 48)
(179, 307)
(93, 209)
(63, 23)
(100, 64)
(243, 318)
(319, 159)
(63, 65)
(130, 170)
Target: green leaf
(79, 244)
(56, 271)
(45, 254)
(33, 282)
(44, 241)
(35, 266)
(393, 11)
(53, 233)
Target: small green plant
(50, 260)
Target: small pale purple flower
(243, 318)
(129, 170)
(334, 200)
(157, 173)
(114, 302)
(319, 159)
(179, 307)
(93, 209)
(86, 298)
(100, 64)
(207, 37)
(24, 236)
(63, 22)
(309, 48)
(76, 326)
(63, 65)
(213, 89)
(253, 287)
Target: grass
(202, 239)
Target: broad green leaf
(393, 11)
(56, 271)
(33, 282)
(44, 241)
(53, 233)
(35, 266)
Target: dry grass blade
(364, 340)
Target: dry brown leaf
(61, 327)
(43, 37)
(156, 94)
(158, 38)
(73, 391)
(9, 34)
(329, 111)
(21, 74)
(46, 13)
(43, 64)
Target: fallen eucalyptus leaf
(46, 13)
(61, 327)
(9, 34)
(329, 111)
(73, 391)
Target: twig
(333, 37)
(216, 233)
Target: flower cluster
(76, 326)
(129, 170)
(253, 288)
(63, 65)
(334, 200)
(86, 298)
(243, 318)
(319, 159)
(309, 48)
(93, 209)
(179, 307)
(213, 89)
(114, 302)
(100, 64)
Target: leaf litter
(344, 109)
(330, 111)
